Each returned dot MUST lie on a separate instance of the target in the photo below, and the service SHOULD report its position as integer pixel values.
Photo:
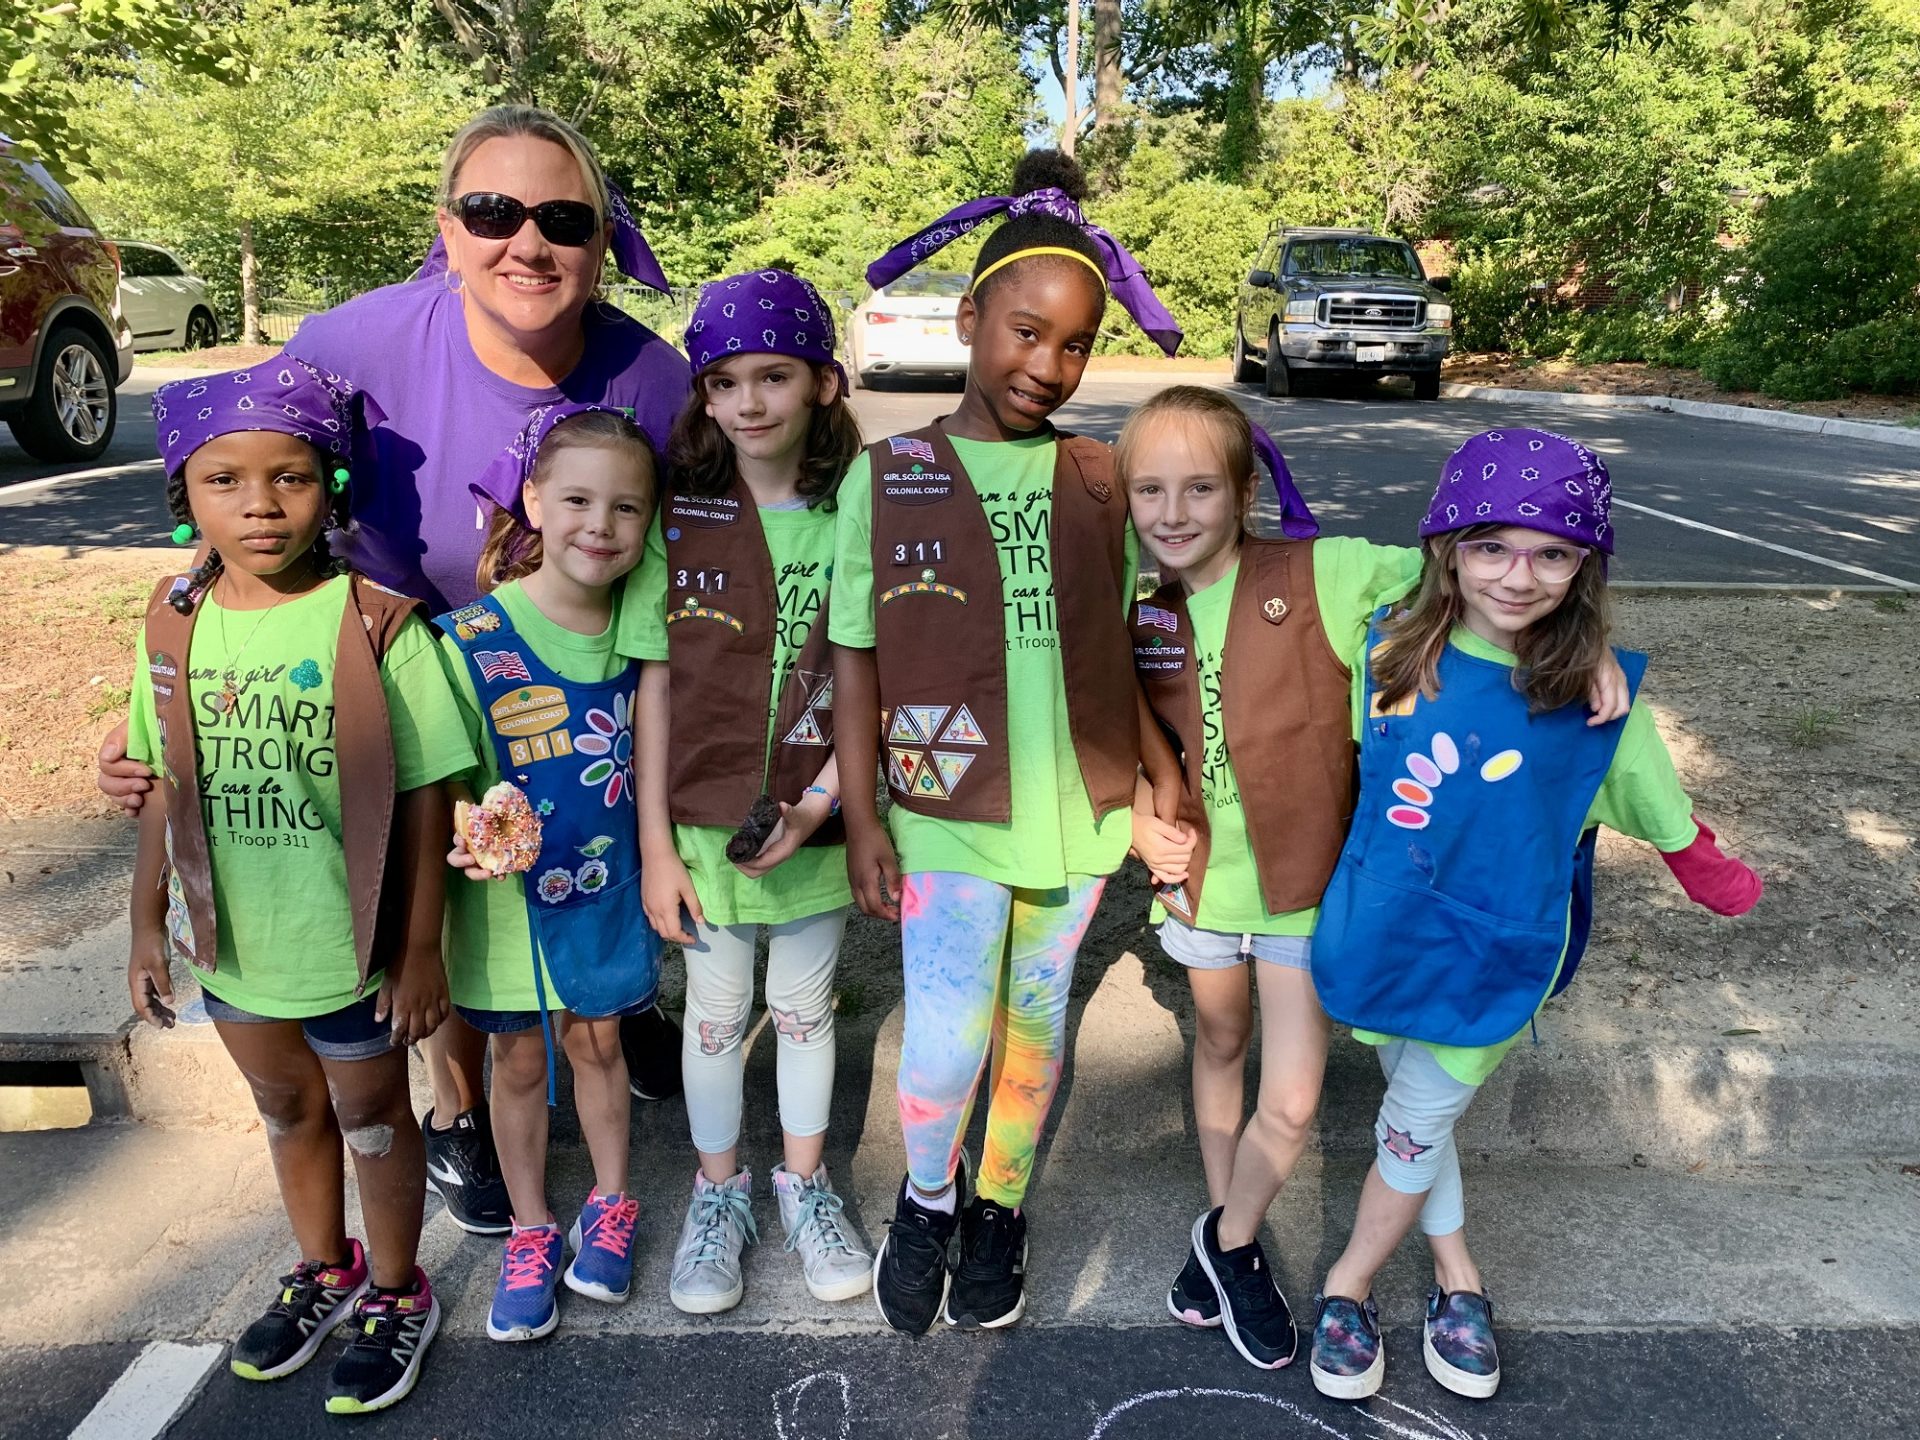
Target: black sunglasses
(493, 216)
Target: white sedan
(907, 328)
(166, 306)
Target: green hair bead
(183, 533)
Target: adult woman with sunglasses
(502, 320)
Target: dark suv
(64, 346)
(1347, 300)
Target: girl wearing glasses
(1463, 898)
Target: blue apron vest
(1466, 880)
(569, 746)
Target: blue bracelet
(833, 800)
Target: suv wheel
(202, 329)
(72, 411)
(1279, 382)
(1426, 385)
(1245, 369)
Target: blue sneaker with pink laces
(602, 1245)
(524, 1305)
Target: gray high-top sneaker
(833, 1262)
(706, 1261)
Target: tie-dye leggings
(988, 968)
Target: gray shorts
(1218, 950)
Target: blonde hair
(507, 122)
(1223, 422)
(512, 549)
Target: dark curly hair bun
(1055, 169)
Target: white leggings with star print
(1413, 1134)
(800, 961)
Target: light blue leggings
(1414, 1133)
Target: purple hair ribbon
(1296, 520)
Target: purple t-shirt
(418, 527)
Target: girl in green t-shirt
(300, 725)
(761, 443)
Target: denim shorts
(1217, 950)
(512, 1022)
(349, 1033)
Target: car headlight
(1440, 314)
(1301, 309)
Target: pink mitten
(1723, 883)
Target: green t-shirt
(1052, 834)
(1640, 796)
(814, 878)
(270, 789)
(1351, 578)
(489, 944)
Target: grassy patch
(109, 700)
(1890, 604)
(1812, 726)
(850, 1001)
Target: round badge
(926, 574)
(673, 532)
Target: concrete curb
(1701, 409)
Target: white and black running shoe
(990, 1283)
(1191, 1301)
(1252, 1310)
(313, 1299)
(464, 1171)
(910, 1273)
(391, 1335)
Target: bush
(1493, 306)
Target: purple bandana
(1530, 478)
(631, 254)
(1296, 520)
(1124, 276)
(282, 394)
(502, 482)
(762, 312)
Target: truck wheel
(73, 408)
(1279, 381)
(1245, 369)
(1426, 385)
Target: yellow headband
(1006, 260)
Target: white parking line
(99, 472)
(1769, 545)
(150, 1392)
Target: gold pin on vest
(1275, 610)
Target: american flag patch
(916, 449)
(502, 665)
(1160, 619)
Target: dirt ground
(1637, 378)
(1790, 719)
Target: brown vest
(722, 617)
(363, 752)
(940, 629)
(1285, 704)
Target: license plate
(1364, 353)
(936, 327)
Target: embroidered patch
(555, 886)
(806, 731)
(1275, 609)
(900, 728)
(533, 722)
(597, 846)
(591, 877)
(610, 736)
(963, 729)
(161, 666)
(902, 767)
(951, 767)
(920, 552)
(474, 620)
(693, 610)
(707, 514)
(926, 718)
(501, 665)
(1174, 897)
(912, 447)
(925, 587)
(916, 486)
(1159, 619)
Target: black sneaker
(1191, 1301)
(910, 1272)
(651, 1043)
(391, 1336)
(313, 1299)
(1252, 1308)
(464, 1171)
(990, 1283)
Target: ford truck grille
(1372, 312)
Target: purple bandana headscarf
(1296, 520)
(283, 395)
(761, 312)
(631, 254)
(1124, 276)
(501, 482)
(1531, 478)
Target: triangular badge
(962, 730)
(902, 730)
(927, 786)
(807, 732)
(822, 698)
(926, 719)
(951, 767)
(905, 764)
